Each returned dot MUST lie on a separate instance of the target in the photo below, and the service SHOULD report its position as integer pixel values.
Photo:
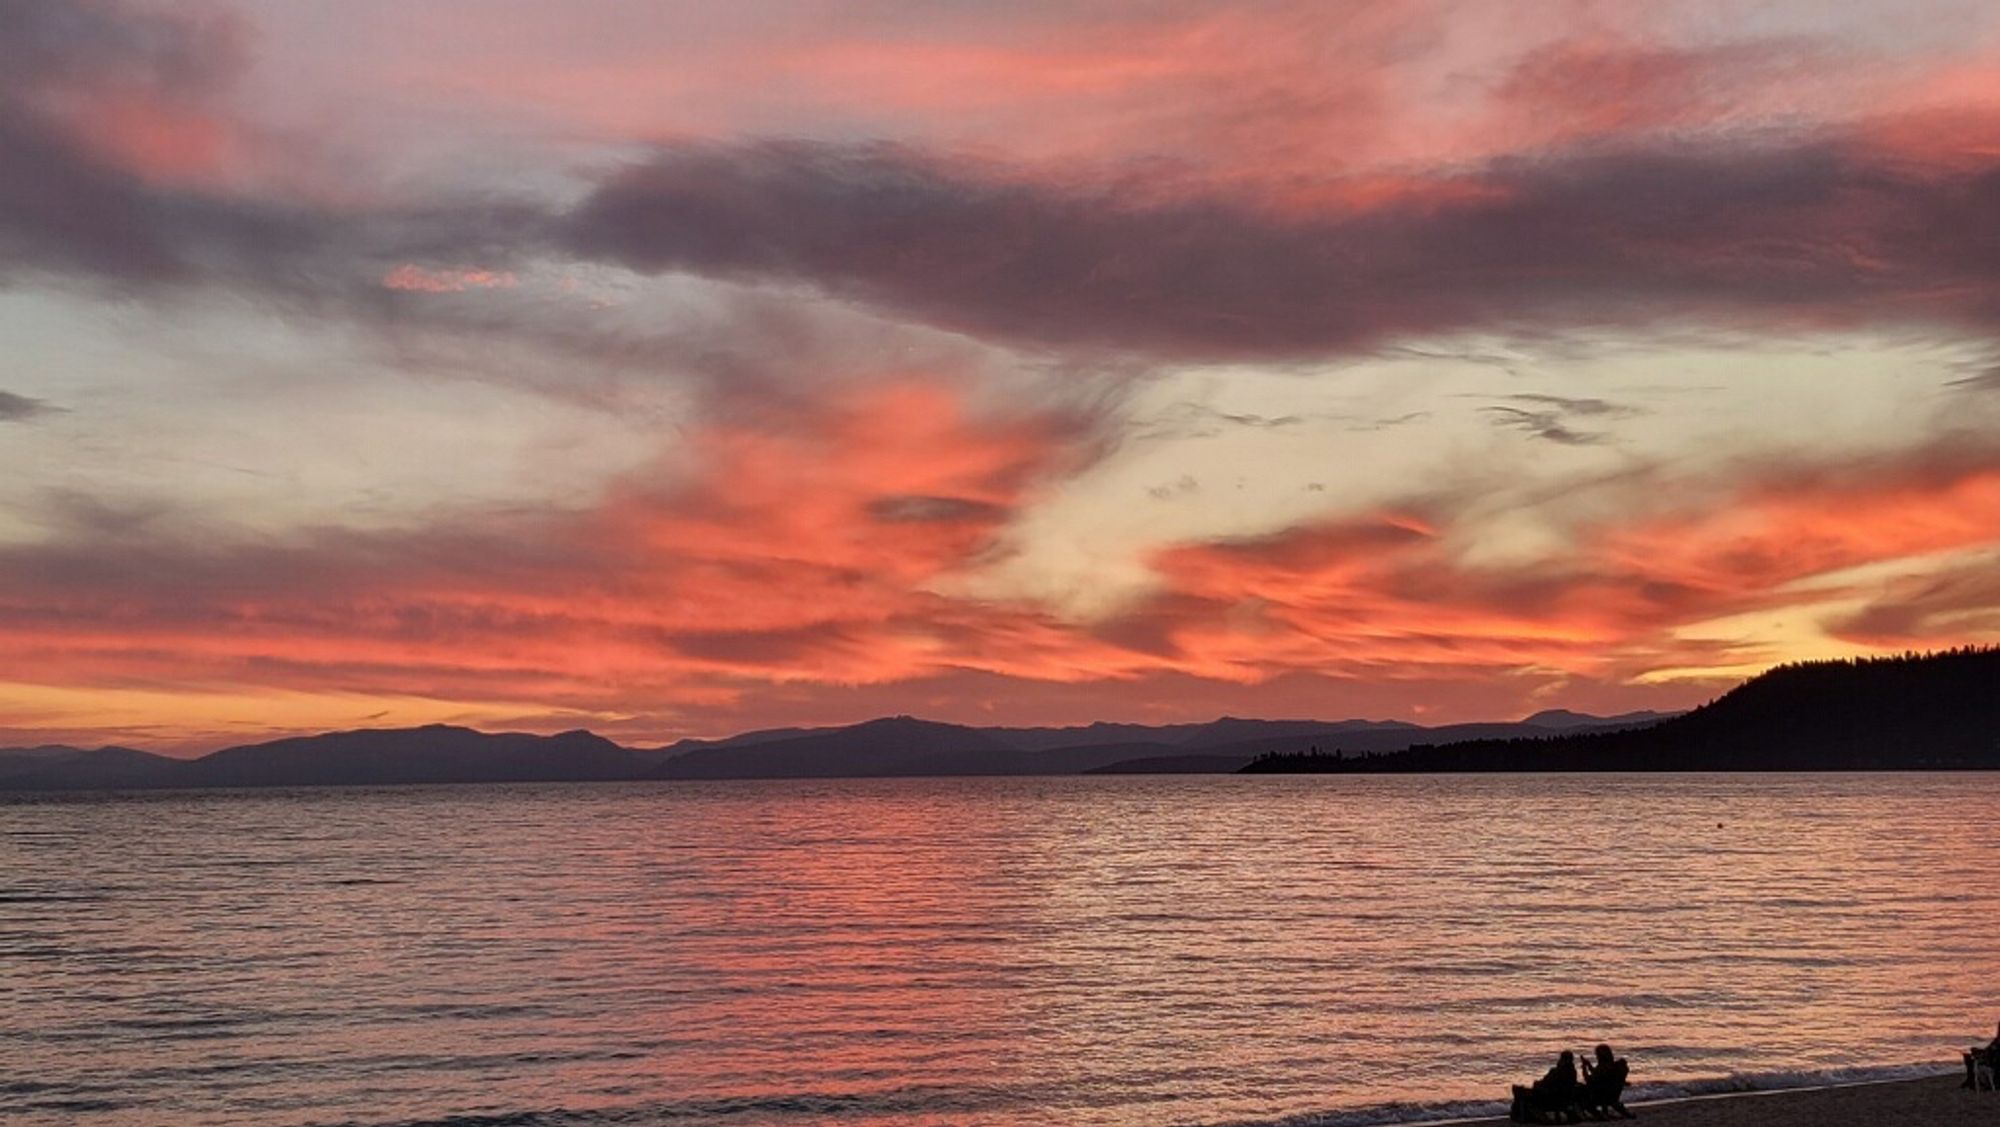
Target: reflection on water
(1063, 951)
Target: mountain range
(1938, 711)
(898, 745)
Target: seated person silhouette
(1604, 1085)
(1990, 1055)
(1555, 1093)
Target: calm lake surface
(1116, 951)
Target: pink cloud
(418, 279)
(796, 574)
(1180, 182)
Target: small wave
(1739, 1082)
(814, 1107)
(1666, 1091)
(1380, 1115)
(807, 1107)
(72, 1106)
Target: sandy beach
(1936, 1101)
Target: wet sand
(1932, 1102)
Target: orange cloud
(1774, 534)
(800, 555)
(161, 143)
(411, 277)
(1387, 595)
(795, 561)
(798, 549)
(1184, 181)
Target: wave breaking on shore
(1663, 1091)
(1394, 1114)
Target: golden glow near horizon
(675, 371)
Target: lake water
(1114, 951)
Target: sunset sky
(674, 369)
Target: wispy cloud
(1178, 356)
(16, 408)
(1549, 417)
(1986, 381)
(1740, 232)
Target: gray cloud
(1546, 425)
(1198, 420)
(1369, 426)
(1573, 406)
(63, 208)
(1988, 380)
(1550, 417)
(1592, 236)
(908, 510)
(68, 207)
(173, 55)
(16, 408)
(61, 205)
(1734, 231)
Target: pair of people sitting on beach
(1559, 1092)
(1988, 1056)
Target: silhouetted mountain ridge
(436, 753)
(1914, 712)
(1564, 718)
(895, 745)
(56, 767)
(874, 747)
(1358, 738)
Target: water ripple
(1104, 952)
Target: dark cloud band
(1825, 230)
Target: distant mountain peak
(1566, 718)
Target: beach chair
(1603, 1095)
(1532, 1106)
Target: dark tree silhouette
(1936, 711)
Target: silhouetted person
(1554, 1093)
(1604, 1083)
(1990, 1054)
(1559, 1082)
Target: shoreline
(1921, 1093)
(1932, 1100)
